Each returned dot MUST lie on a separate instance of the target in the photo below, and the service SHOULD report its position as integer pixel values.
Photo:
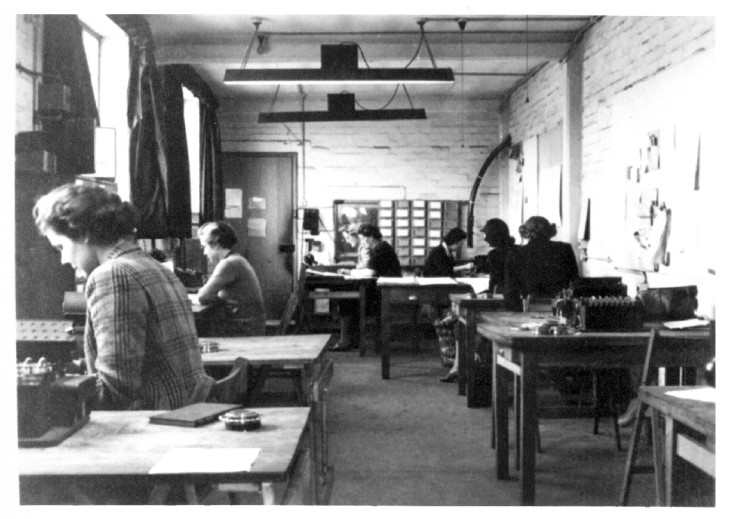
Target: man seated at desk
(441, 260)
(383, 262)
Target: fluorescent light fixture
(341, 107)
(339, 66)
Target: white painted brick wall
(422, 159)
(618, 54)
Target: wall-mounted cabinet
(412, 227)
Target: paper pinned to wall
(233, 203)
(550, 194)
(255, 202)
(256, 227)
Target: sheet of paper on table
(702, 394)
(479, 284)
(192, 460)
(324, 273)
(436, 281)
(687, 323)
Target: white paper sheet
(436, 281)
(195, 460)
(702, 394)
(687, 323)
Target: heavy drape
(65, 63)
(159, 166)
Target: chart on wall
(663, 174)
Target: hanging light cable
(461, 23)
(257, 23)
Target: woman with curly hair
(540, 268)
(140, 340)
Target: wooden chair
(232, 388)
(290, 322)
(648, 378)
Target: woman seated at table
(383, 262)
(440, 261)
(140, 340)
(364, 252)
(542, 267)
(233, 285)
(497, 236)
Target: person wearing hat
(440, 261)
(540, 268)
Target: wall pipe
(505, 143)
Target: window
(191, 125)
(91, 41)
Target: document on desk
(194, 460)
(479, 284)
(324, 273)
(436, 281)
(685, 324)
(702, 394)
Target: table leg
(385, 335)
(362, 319)
(501, 415)
(658, 457)
(462, 356)
(528, 413)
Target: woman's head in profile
(217, 239)
(497, 233)
(538, 228)
(83, 221)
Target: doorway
(260, 190)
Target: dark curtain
(148, 165)
(212, 192)
(63, 56)
(159, 165)
(65, 62)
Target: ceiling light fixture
(339, 65)
(341, 107)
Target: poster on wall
(550, 194)
(233, 203)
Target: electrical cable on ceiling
(527, 59)
(257, 23)
(461, 23)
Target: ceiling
(497, 51)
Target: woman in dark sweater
(497, 235)
(542, 267)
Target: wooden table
(342, 288)
(684, 431)
(280, 351)
(467, 308)
(287, 351)
(122, 446)
(523, 352)
(399, 294)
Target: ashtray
(241, 420)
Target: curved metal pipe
(505, 143)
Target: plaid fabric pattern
(140, 337)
